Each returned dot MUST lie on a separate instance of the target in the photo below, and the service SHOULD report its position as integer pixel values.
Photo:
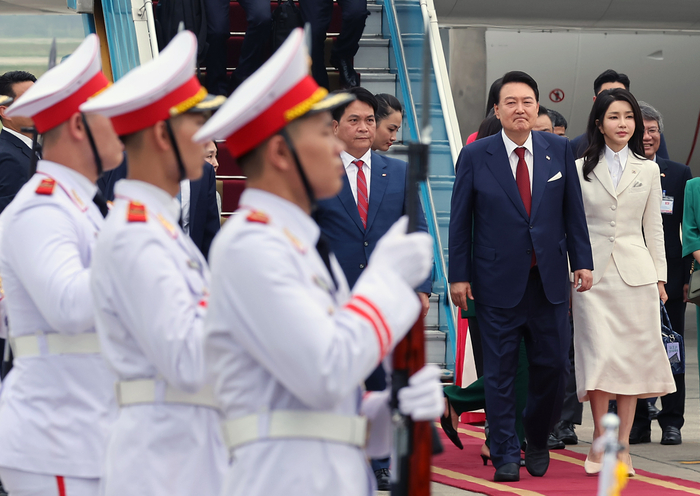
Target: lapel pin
(383, 175)
(663, 175)
(634, 171)
(547, 157)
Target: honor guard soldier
(58, 401)
(151, 285)
(288, 342)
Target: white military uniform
(150, 287)
(58, 402)
(281, 337)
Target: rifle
(414, 442)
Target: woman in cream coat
(618, 346)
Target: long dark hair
(596, 140)
(489, 126)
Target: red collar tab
(258, 216)
(275, 117)
(59, 113)
(46, 186)
(159, 110)
(136, 212)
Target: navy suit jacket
(204, 214)
(340, 221)
(15, 157)
(673, 179)
(489, 219)
(580, 143)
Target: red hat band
(296, 102)
(59, 113)
(147, 116)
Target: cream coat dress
(617, 329)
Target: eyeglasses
(651, 131)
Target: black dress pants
(318, 13)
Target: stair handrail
(414, 132)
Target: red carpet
(465, 470)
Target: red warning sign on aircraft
(556, 95)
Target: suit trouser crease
(545, 329)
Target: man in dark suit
(318, 13)
(517, 212)
(608, 80)
(200, 214)
(673, 179)
(15, 145)
(372, 199)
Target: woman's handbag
(673, 343)
(694, 286)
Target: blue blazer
(491, 235)
(204, 214)
(15, 157)
(340, 221)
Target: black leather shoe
(448, 429)
(510, 472)
(536, 460)
(348, 76)
(671, 436)
(554, 444)
(640, 435)
(653, 411)
(383, 482)
(566, 432)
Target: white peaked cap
(276, 94)
(59, 93)
(157, 90)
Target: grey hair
(649, 113)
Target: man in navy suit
(372, 199)
(673, 178)
(517, 212)
(15, 145)
(199, 208)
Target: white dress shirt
(26, 140)
(513, 157)
(185, 205)
(351, 170)
(619, 158)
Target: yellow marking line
(560, 457)
(690, 463)
(484, 482)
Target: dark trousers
(473, 398)
(318, 13)
(572, 411)
(257, 37)
(672, 405)
(545, 329)
(218, 31)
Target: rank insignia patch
(136, 212)
(258, 216)
(46, 186)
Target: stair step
(373, 52)
(379, 82)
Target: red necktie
(362, 198)
(522, 179)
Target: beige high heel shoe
(627, 460)
(591, 468)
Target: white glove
(423, 398)
(409, 255)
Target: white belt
(142, 391)
(295, 424)
(55, 344)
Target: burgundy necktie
(522, 179)
(362, 198)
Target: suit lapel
(499, 165)
(629, 173)
(377, 187)
(10, 138)
(603, 174)
(540, 170)
(348, 201)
